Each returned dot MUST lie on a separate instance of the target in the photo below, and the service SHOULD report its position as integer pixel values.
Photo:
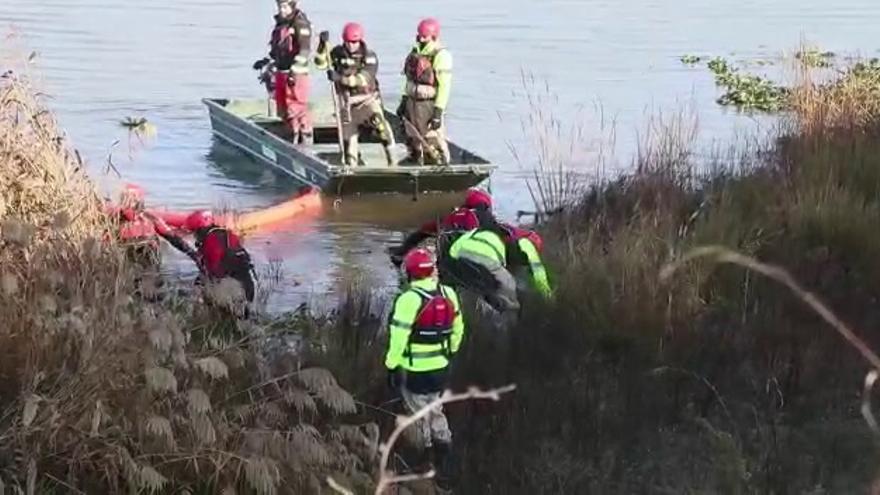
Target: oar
(338, 118)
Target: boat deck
(326, 144)
(252, 126)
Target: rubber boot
(389, 156)
(306, 138)
(351, 152)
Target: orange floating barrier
(306, 203)
(302, 204)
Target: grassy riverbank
(110, 383)
(714, 380)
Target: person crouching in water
(139, 231)
(221, 258)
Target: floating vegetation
(812, 57)
(690, 59)
(747, 91)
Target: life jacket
(285, 42)
(433, 323)
(233, 260)
(419, 67)
(349, 64)
(420, 74)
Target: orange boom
(305, 203)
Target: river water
(594, 62)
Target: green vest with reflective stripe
(483, 243)
(536, 267)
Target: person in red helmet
(353, 71)
(524, 249)
(475, 211)
(425, 331)
(428, 71)
(289, 49)
(139, 230)
(221, 253)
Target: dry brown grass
(42, 178)
(102, 392)
(847, 104)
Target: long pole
(338, 118)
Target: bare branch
(867, 413)
(386, 478)
(724, 255)
(411, 477)
(337, 487)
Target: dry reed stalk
(559, 161)
(42, 178)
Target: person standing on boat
(425, 331)
(428, 71)
(352, 68)
(289, 49)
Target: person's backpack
(434, 321)
(236, 260)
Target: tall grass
(715, 381)
(106, 387)
(712, 381)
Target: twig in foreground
(724, 255)
(388, 478)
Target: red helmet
(352, 33)
(476, 198)
(429, 28)
(133, 192)
(418, 264)
(199, 219)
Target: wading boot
(389, 156)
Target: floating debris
(139, 126)
(812, 57)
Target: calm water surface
(104, 60)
